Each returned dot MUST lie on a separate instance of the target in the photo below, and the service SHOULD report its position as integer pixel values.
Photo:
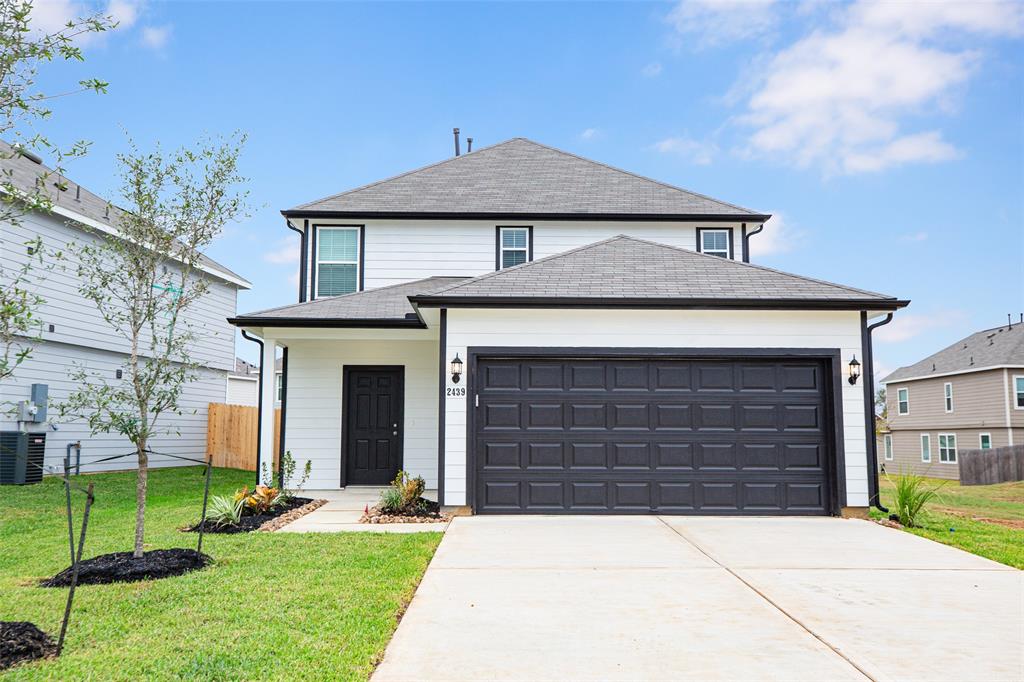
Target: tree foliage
(145, 280)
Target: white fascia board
(950, 374)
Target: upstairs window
(1018, 387)
(715, 242)
(337, 261)
(903, 401)
(947, 391)
(947, 448)
(514, 247)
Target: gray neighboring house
(538, 333)
(73, 333)
(243, 384)
(967, 396)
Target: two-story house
(72, 333)
(535, 332)
(967, 396)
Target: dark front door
(373, 425)
(652, 435)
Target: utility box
(21, 457)
(34, 409)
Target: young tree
(145, 280)
(22, 50)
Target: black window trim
(700, 239)
(497, 242)
(315, 261)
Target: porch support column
(266, 405)
(442, 383)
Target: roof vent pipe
(455, 132)
(469, 144)
(1009, 321)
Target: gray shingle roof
(989, 348)
(386, 304)
(520, 176)
(626, 268)
(24, 173)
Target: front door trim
(833, 392)
(345, 371)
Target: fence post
(74, 570)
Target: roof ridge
(635, 175)
(402, 175)
(325, 299)
(562, 254)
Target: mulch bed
(254, 522)
(21, 642)
(427, 511)
(122, 567)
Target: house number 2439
(456, 392)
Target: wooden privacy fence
(997, 465)
(231, 434)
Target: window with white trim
(985, 441)
(947, 392)
(715, 243)
(926, 447)
(514, 244)
(887, 440)
(337, 261)
(903, 401)
(947, 448)
(278, 387)
(1018, 389)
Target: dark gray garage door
(672, 436)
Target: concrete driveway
(644, 598)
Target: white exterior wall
(314, 419)
(657, 329)
(406, 250)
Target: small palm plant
(912, 493)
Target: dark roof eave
(447, 215)
(380, 323)
(665, 303)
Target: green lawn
(273, 606)
(987, 520)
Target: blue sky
(886, 139)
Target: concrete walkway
(344, 508)
(649, 598)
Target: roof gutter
(746, 242)
(869, 405)
(393, 323)
(259, 404)
(663, 303)
(302, 250)
(448, 215)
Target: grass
(987, 520)
(273, 606)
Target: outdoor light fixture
(854, 370)
(456, 369)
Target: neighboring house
(73, 334)
(967, 396)
(534, 332)
(243, 384)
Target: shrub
(224, 510)
(390, 501)
(259, 501)
(911, 494)
(288, 468)
(404, 494)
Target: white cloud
(715, 22)
(590, 134)
(156, 37)
(285, 252)
(776, 237)
(906, 326)
(124, 12)
(700, 153)
(652, 70)
(50, 16)
(914, 237)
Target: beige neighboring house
(967, 396)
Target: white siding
(657, 329)
(76, 320)
(53, 364)
(314, 419)
(242, 391)
(404, 250)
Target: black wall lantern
(456, 369)
(854, 370)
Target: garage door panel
(652, 435)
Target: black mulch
(122, 567)
(21, 642)
(250, 523)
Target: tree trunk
(140, 500)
